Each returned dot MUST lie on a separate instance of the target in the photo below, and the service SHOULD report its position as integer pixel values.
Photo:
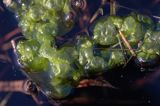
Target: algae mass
(43, 20)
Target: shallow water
(126, 94)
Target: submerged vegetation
(115, 39)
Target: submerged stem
(112, 7)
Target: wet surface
(133, 87)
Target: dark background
(147, 94)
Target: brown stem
(5, 100)
(127, 43)
(24, 86)
(112, 7)
(98, 12)
(10, 35)
(12, 86)
(95, 82)
(4, 57)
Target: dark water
(127, 94)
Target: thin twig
(18, 86)
(157, 17)
(10, 35)
(116, 49)
(128, 61)
(113, 7)
(132, 9)
(95, 82)
(37, 101)
(122, 48)
(5, 58)
(127, 43)
(12, 86)
(97, 13)
(6, 99)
